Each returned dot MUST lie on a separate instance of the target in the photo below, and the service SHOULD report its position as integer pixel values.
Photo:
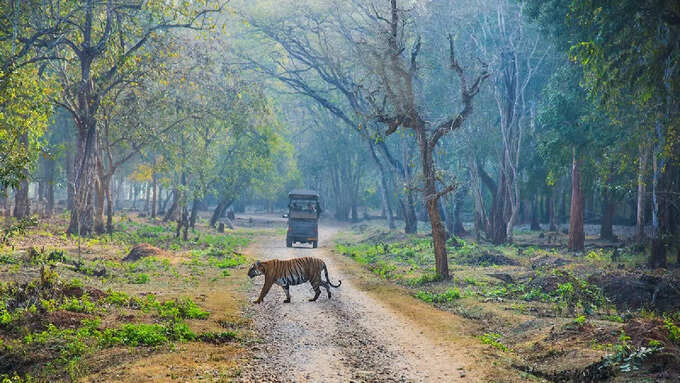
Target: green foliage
(79, 305)
(627, 357)
(181, 309)
(577, 292)
(673, 330)
(422, 279)
(13, 230)
(217, 337)
(143, 334)
(25, 110)
(447, 296)
(493, 339)
(580, 320)
(140, 279)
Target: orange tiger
(291, 272)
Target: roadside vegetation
(65, 302)
(556, 314)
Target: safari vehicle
(303, 217)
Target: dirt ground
(361, 334)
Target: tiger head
(256, 269)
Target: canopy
(303, 194)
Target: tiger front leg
(265, 289)
(286, 289)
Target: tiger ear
(258, 263)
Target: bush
(140, 279)
(181, 309)
(448, 296)
(143, 334)
(493, 339)
(217, 337)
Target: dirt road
(352, 337)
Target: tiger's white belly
(291, 280)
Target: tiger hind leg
(315, 285)
(328, 288)
(286, 289)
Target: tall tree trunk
(497, 219)
(4, 199)
(154, 196)
(410, 216)
(219, 210)
(194, 213)
(50, 187)
(458, 228)
(101, 184)
(22, 206)
(147, 198)
(432, 205)
(535, 225)
(551, 208)
(607, 221)
(109, 207)
(384, 194)
(173, 208)
(641, 190)
(576, 232)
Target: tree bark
(607, 220)
(535, 225)
(458, 229)
(49, 209)
(101, 184)
(173, 208)
(154, 196)
(384, 194)
(641, 190)
(551, 209)
(194, 213)
(431, 203)
(576, 231)
(22, 206)
(147, 198)
(219, 210)
(109, 209)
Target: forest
(501, 177)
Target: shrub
(140, 279)
(423, 279)
(447, 296)
(217, 337)
(181, 309)
(673, 330)
(493, 339)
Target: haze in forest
(539, 135)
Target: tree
(395, 100)
(563, 117)
(95, 52)
(630, 47)
(516, 53)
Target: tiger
(291, 272)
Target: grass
(449, 295)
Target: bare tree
(395, 103)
